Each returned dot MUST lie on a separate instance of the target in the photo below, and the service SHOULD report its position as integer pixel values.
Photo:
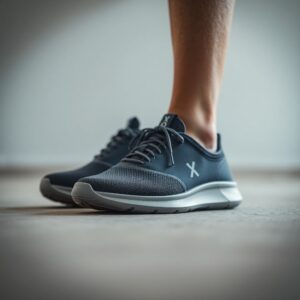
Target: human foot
(166, 172)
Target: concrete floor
(48, 251)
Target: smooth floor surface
(48, 251)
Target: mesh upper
(69, 178)
(131, 180)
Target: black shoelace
(152, 141)
(121, 137)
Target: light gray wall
(77, 77)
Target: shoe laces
(152, 141)
(121, 137)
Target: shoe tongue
(172, 121)
(133, 123)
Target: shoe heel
(233, 195)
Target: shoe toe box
(69, 178)
(135, 181)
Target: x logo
(192, 168)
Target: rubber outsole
(56, 193)
(217, 195)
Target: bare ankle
(200, 128)
(204, 136)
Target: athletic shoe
(58, 186)
(167, 171)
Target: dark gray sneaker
(58, 186)
(166, 172)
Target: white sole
(213, 195)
